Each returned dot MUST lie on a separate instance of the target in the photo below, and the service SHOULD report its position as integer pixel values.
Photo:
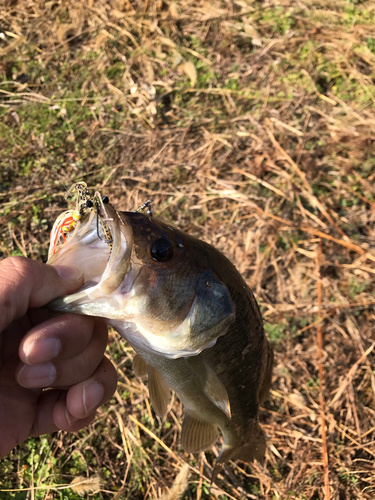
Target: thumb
(26, 283)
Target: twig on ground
(321, 380)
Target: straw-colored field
(251, 124)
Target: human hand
(39, 349)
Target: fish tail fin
(253, 449)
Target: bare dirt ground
(251, 124)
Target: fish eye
(162, 250)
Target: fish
(187, 312)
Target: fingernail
(92, 396)
(68, 273)
(37, 376)
(41, 350)
(70, 417)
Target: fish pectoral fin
(197, 435)
(159, 392)
(139, 366)
(210, 383)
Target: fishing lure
(85, 204)
(68, 220)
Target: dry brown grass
(251, 125)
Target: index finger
(26, 283)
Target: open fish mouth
(94, 239)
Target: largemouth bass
(184, 308)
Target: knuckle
(12, 274)
(90, 361)
(109, 373)
(12, 263)
(72, 372)
(14, 269)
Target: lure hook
(145, 205)
(97, 227)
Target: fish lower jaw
(92, 301)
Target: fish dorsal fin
(139, 366)
(197, 435)
(159, 392)
(210, 383)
